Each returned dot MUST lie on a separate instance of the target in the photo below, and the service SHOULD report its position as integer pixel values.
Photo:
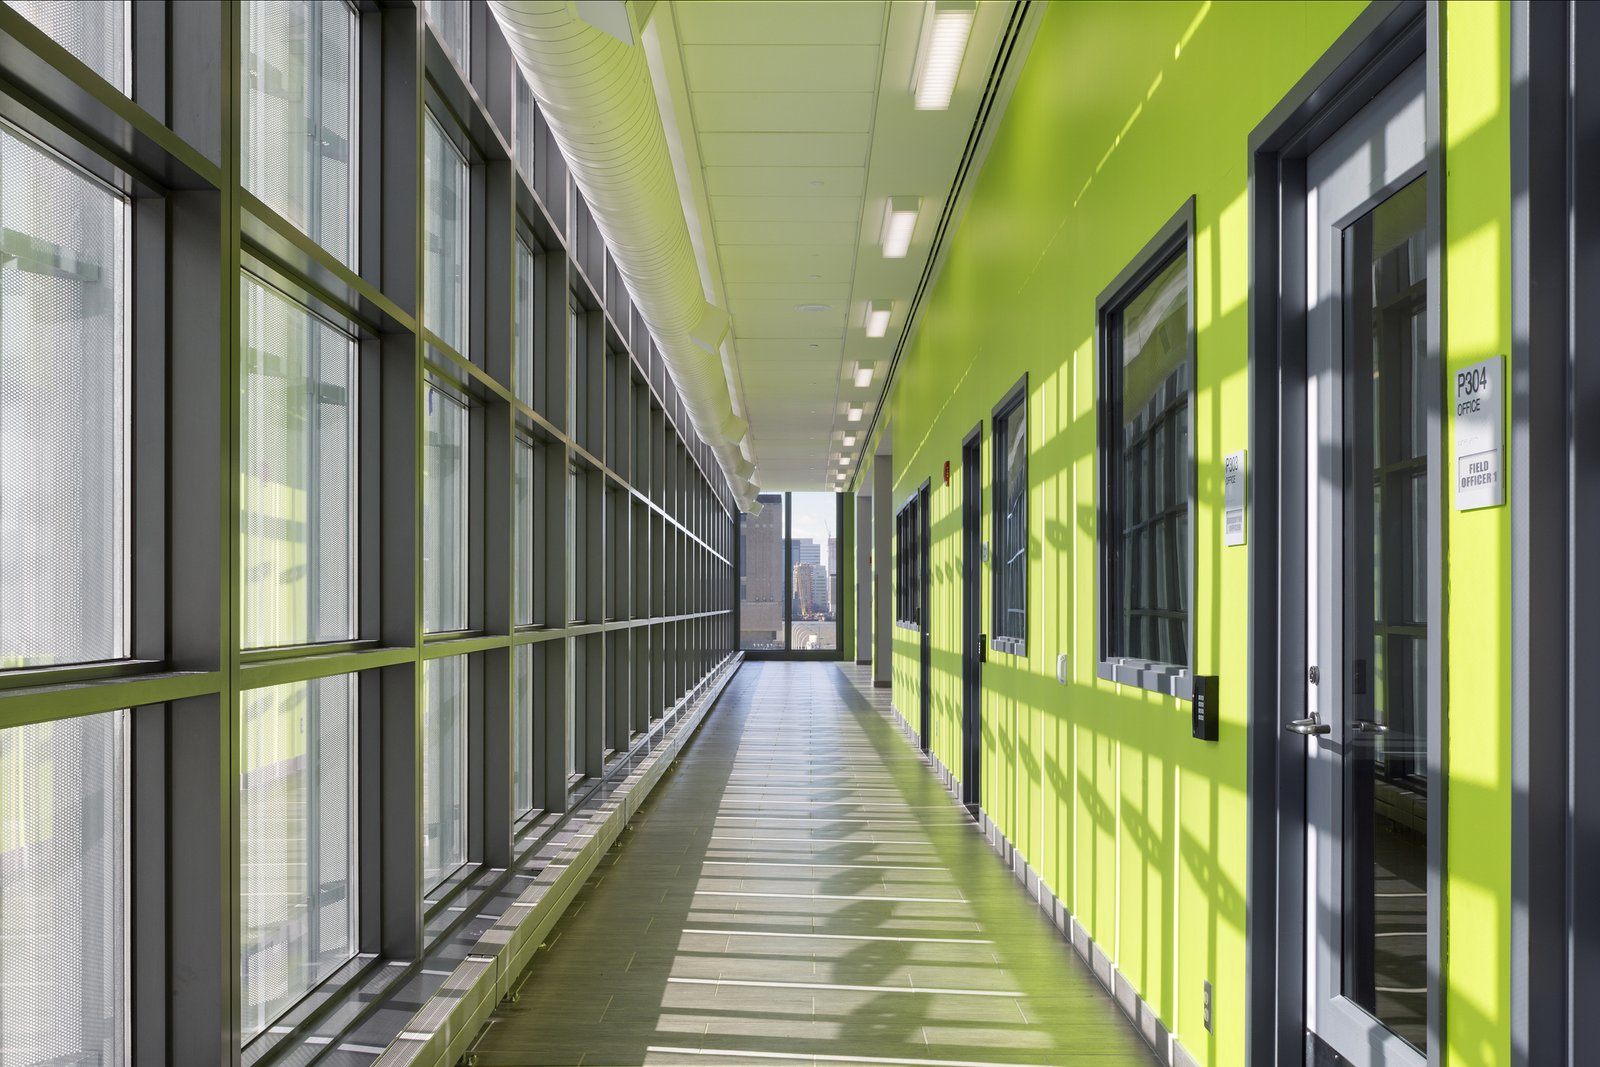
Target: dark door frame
(925, 623)
(972, 618)
(1382, 41)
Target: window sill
(1167, 678)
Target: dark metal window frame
(788, 651)
(1004, 638)
(1175, 238)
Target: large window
(297, 837)
(813, 566)
(445, 499)
(444, 769)
(1009, 594)
(450, 22)
(444, 237)
(761, 579)
(63, 892)
(522, 527)
(63, 412)
(297, 473)
(1147, 467)
(298, 144)
(527, 345)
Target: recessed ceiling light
(844, 461)
(899, 221)
(945, 28)
(878, 313)
(849, 440)
(854, 415)
(812, 309)
(863, 377)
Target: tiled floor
(798, 890)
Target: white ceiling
(791, 124)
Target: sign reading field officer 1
(1480, 435)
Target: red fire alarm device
(946, 472)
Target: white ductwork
(595, 92)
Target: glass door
(1367, 630)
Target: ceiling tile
(763, 182)
(783, 112)
(785, 209)
(812, 292)
(784, 149)
(781, 68)
(720, 22)
(784, 263)
(791, 233)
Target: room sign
(1480, 435)
(1233, 498)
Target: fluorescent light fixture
(844, 461)
(863, 377)
(878, 313)
(945, 29)
(899, 221)
(849, 440)
(854, 415)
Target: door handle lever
(1367, 726)
(1312, 727)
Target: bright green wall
(1139, 829)
(1477, 324)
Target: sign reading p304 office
(1480, 435)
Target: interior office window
(1146, 464)
(526, 325)
(63, 927)
(299, 145)
(444, 511)
(63, 412)
(522, 524)
(297, 842)
(95, 33)
(444, 236)
(522, 731)
(449, 18)
(444, 769)
(297, 473)
(1009, 591)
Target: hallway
(822, 900)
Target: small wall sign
(1480, 435)
(1233, 498)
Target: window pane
(813, 557)
(444, 238)
(96, 33)
(522, 732)
(62, 895)
(63, 413)
(1011, 609)
(449, 19)
(522, 522)
(444, 769)
(297, 842)
(298, 145)
(444, 513)
(1152, 371)
(297, 474)
(761, 575)
(527, 130)
(526, 331)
